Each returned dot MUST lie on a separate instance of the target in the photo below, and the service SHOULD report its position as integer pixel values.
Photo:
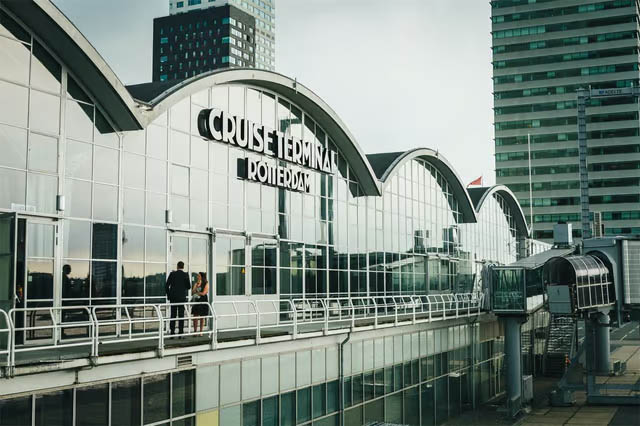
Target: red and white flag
(476, 182)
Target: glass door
(192, 249)
(35, 276)
(7, 267)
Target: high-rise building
(544, 51)
(263, 11)
(188, 44)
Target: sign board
(215, 124)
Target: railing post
(326, 317)
(160, 331)
(295, 319)
(375, 313)
(214, 325)
(96, 334)
(258, 335)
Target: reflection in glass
(92, 405)
(44, 112)
(78, 160)
(106, 165)
(46, 72)
(105, 202)
(78, 198)
(79, 117)
(75, 279)
(133, 243)
(156, 175)
(105, 244)
(41, 192)
(16, 111)
(132, 279)
(40, 240)
(39, 279)
(288, 408)
(155, 274)
(179, 147)
(133, 170)
(157, 142)
(155, 209)
(180, 115)
(16, 411)
(125, 403)
(134, 142)
(180, 180)
(14, 57)
(156, 246)
(12, 189)
(103, 279)
(156, 398)
(76, 239)
(43, 153)
(54, 408)
(133, 206)
(104, 134)
(183, 396)
(14, 145)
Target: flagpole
(530, 185)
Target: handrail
(122, 323)
(8, 331)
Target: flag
(476, 182)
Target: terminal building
(345, 288)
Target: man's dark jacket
(178, 284)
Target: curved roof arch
(160, 97)
(480, 195)
(59, 35)
(387, 165)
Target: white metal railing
(109, 329)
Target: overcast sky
(401, 74)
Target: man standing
(177, 286)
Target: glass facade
(537, 70)
(101, 200)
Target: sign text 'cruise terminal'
(215, 124)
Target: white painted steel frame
(285, 317)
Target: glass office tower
(543, 51)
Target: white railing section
(71, 332)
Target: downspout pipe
(341, 375)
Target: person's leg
(181, 320)
(201, 325)
(195, 324)
(172, 323)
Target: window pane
(157, 142)
(251, 413)
(288, 406)
(79, 119)
(16, 411)
(105, 202)
(75, 279)
(105, 244)
(133, 206)
(106, 165)
(132, 280)
(156, 175)
(125, 403)
(319, 401)
(304, 405)
(103, 279)
(270, 411)
(155, 209)
(54, 409)
(77, 198)
(133, 243)
(92, 405)
(76, 239)
(156, 398)
(155, 279)
(156, 245)
(14, 57)
(45, 71)
(43, 153)
(14, 145)
(133, 170)
(78, 160)
(12, 189)
(45, 112)
(183, 393)
(179, 147)
(41, 192)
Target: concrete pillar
(602, 342)
(513, 359)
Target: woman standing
(200, 294)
